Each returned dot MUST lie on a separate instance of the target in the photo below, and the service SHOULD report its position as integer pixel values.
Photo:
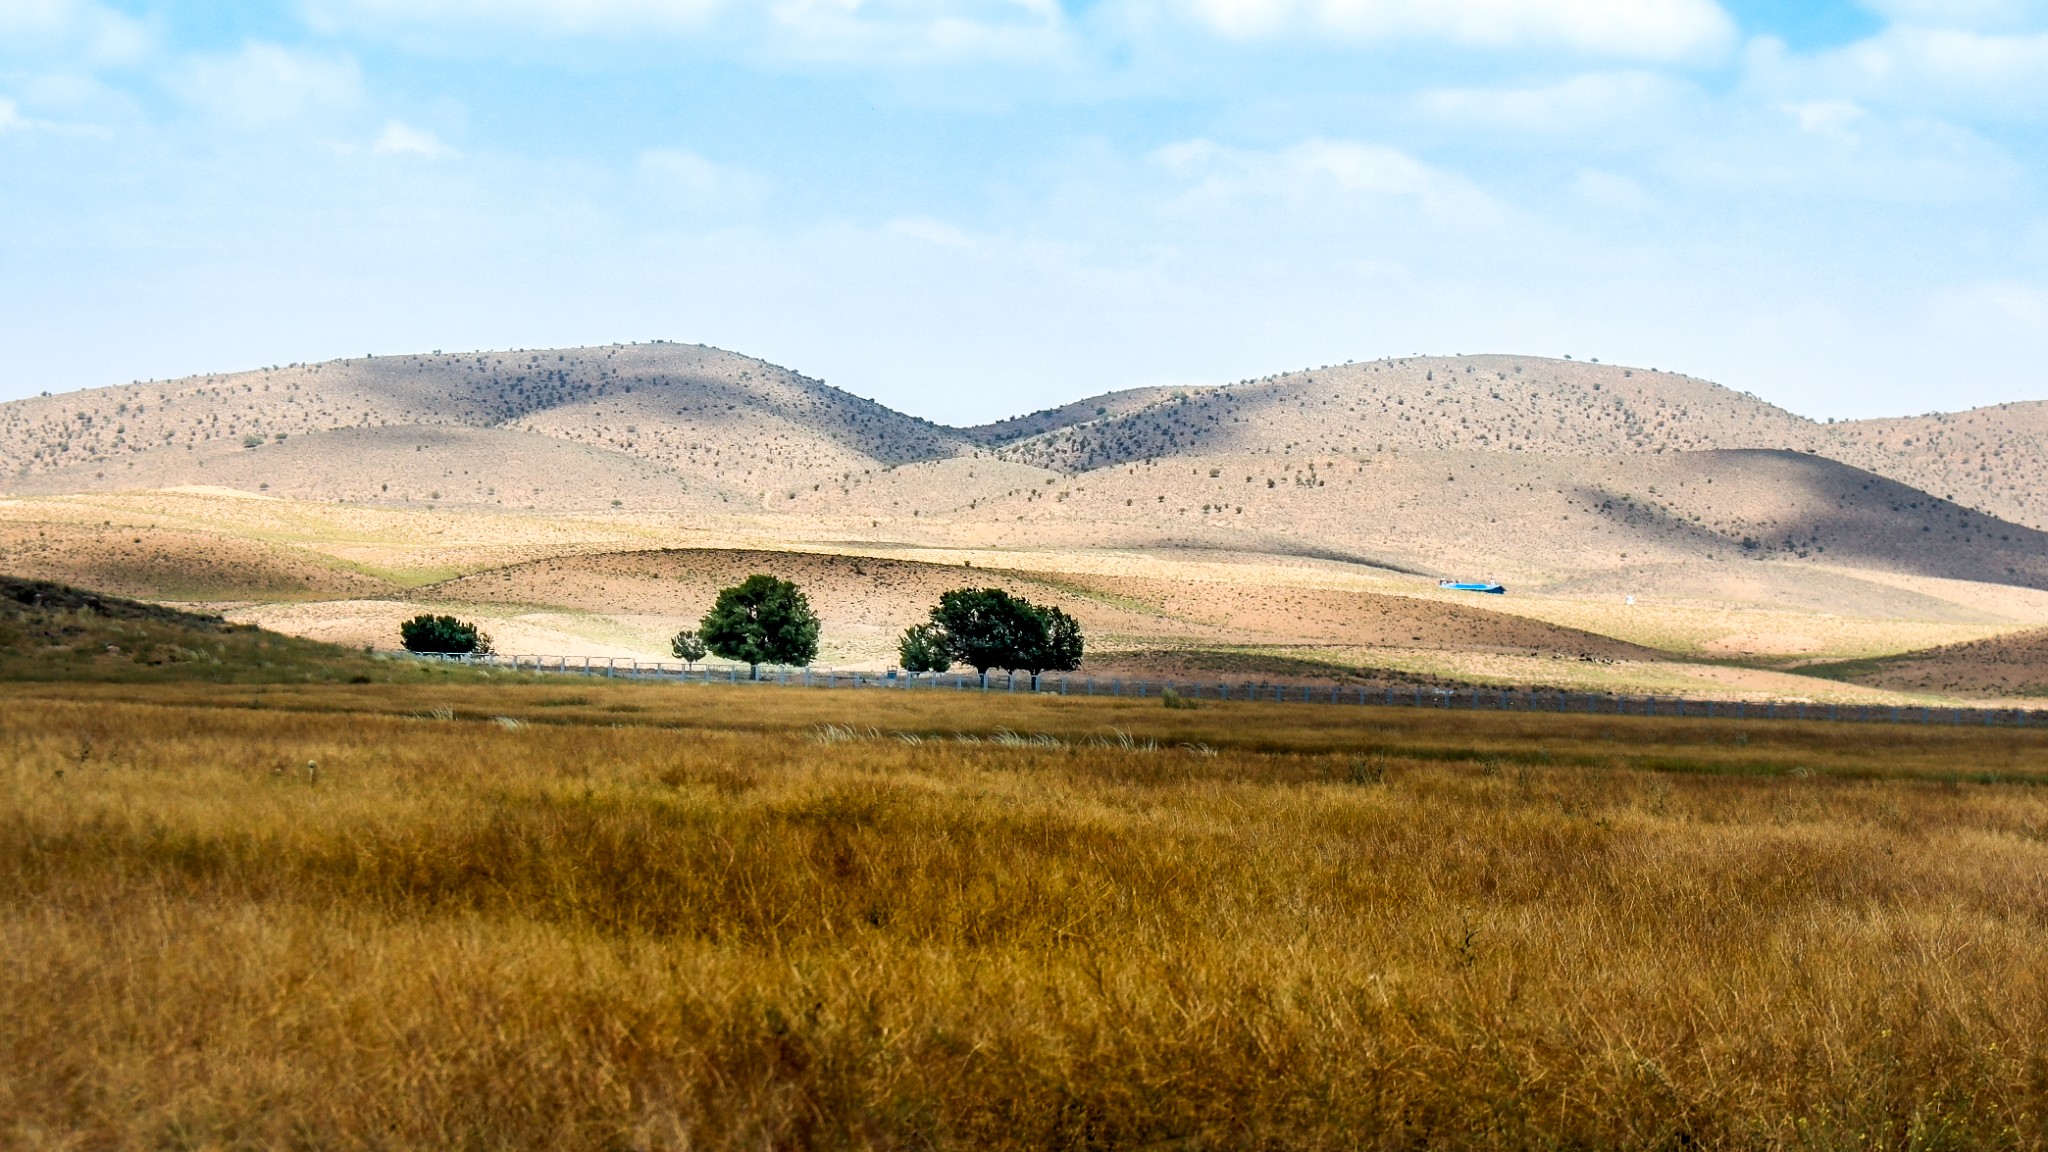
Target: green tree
(1059, 651)
(761, 620)
(430, 633)
(988, 627)
(925, 648)
(687, 646)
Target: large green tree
(761, 620)
(989, 628)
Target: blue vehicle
(1472, 586)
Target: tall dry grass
(623, 918)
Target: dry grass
(598, 916)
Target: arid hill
(1474, 403)
(713, 424)
(2015, 664)
(1519, 468)
(1992, 459)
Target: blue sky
(968, 208)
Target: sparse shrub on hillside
(687, 646)
(762, 620)
(430, 633)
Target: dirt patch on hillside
(156, 563)
(2015, 664)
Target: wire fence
(1355, 695)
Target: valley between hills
(590, 501)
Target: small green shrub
(429, 633)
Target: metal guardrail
(1415, 696)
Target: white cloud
(70, 29)
(1918, 68)
(402, 139)
(1611, 190)
(699, 181)
(1638, 29)
(1995, 305)
(1583, 103)
(10, 116)
(1981, 15)
(1324, 169)
(622, 16)
(931, 231)
(265, 84)
(920, 30)
(860, 31)
(1836, 150)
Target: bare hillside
(1483, 403)
(721, 422)
(1519, 467)
(1529, 516)
(2011, 665)
(1994, 459)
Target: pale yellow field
(599, 584)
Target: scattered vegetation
(51, 631)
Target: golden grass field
(500, 913)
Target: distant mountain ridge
(664, 424)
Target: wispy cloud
(1323, 170)
(698, 180)
(265, 84)
(401, 139)
(1587, 103)
(1951, 71)
(1638, 29)
(73, 30)
(575, 16)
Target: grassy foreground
(621, 916)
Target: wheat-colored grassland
(514, 914)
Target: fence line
(1414, 696)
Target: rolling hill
(674, 424)
(1527, 469)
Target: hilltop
(1298, 519)
(671, 424)
(685, 427)
(1423, 404)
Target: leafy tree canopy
(762, 620)
(925, 648)
(687, 646)
(429, 633)
(989, 628)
